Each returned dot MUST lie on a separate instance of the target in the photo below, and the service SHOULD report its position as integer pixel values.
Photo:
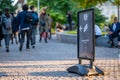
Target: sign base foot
(85, 70)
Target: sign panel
(86, 34)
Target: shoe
(40, 39)
(111, 46)
(7, 50)
(16, 42)
(109, 42)
(117, 46)
(33, 47)
(27, 49)
(11, 42)
(20, 48)
(46, 41)
(0, 45)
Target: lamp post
(38, 5)
(118, 10)
(25, 1)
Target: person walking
(24, 20)
(1, 33)
(44, 25)
(14, 29)
(7, 27)
(34, 24)
(50, 26)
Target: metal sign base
(85, 70)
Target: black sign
(86, 34)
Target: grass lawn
(75, 32)
(71, 32)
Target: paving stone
(50, 61)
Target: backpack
(28, 18)
(42, 20)
(7, 23)
(34, 18)
(14, 24)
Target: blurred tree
(7, 3)
(112, 19)
(117, 3)
(58, 8)
(85, 4)
(99, 18)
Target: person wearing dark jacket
(34, 24)
(23, 20)
(114, 32)
(1, 33)
(69, 19)
(14, 28)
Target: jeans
(33, 34)
(112, 36)
(22, 37)
(50, 34)
(7, 40)
(70, 25)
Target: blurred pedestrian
(7, 27)
(1, 33)
(34, 25)
(14, 29)
(44, 25)
(24, 20)
(50, 26)
(69, 19)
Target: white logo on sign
(80, 28)
(85, 17)
(86, 27)
(83, 29)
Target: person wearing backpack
(7, 27)
(1, 33)
(34, 24)
(23, 21)
(14, 28)
(44, 25)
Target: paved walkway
(50, 61)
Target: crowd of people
(24, 24)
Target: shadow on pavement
(53, 74)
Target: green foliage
(115, 2)
(71, 32)
(85, 4)
(75, 32)
(58, 8)
(99, 18)
(112, 19)
(7, 3)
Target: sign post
(85, 44)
